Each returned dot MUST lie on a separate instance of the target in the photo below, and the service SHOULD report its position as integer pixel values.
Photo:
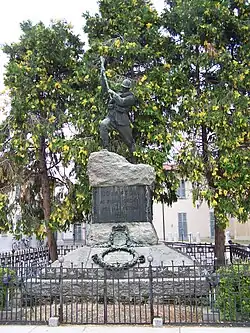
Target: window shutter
(212, 224)
(182, 226)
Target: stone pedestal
(121, 231)
(121, 196)
(140, 234)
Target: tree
(210, 71)
(126, 34)
(40, 76)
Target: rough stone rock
(109, 169)
(164, 289)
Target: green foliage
(4, 204)
(190, 75)
(40, 76)
(7, 280)
(126, 34)
(233, 292)
(209, 75)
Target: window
(212, 224)
(182, 226)
(181, 191)
(77, 232)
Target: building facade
(185, 221)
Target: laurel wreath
(99, 260)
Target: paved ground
(120, 329)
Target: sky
(15, 11)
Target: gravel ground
(93, 313)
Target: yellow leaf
(241, 77)
(149, 25)
(65, 148)
(241, 210)
(225, 192)
(117, 43)
(214, 203)
(57, 85)
(109, 73)
(52, 119)
(144, 78)
(215, 107)
(84, 102)
(167, 66)
(202, 114)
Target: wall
(239, 231)
(5, 242)
(197, 217)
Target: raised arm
(123, 101)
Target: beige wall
(197, 216)
(198, 220)
(239, 231)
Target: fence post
(105, 305)
(151, 299)
(61, 260)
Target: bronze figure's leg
(127, 137)
(104, 132)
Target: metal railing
(177, 294)
(239, 251)
(204, 252)
(201, 252)
(32, 255)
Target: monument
(121, 233)
(122, 196)
(118, 116)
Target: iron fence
(239, 251)
(32, 256)
(204, 252)
(178, 294)
(33, 259)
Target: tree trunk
(219, 245)
(47, 201)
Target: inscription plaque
(122, 204)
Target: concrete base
(162, 254)
(211, 316)
(53, 321)
(157, 322)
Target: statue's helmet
(126, 83)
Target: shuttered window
(212, 224)
(181, 192)
(182, 226)
(77, 232)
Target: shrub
(233, 292)
(7, 282)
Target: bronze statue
(119, 106)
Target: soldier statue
(119, 107)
